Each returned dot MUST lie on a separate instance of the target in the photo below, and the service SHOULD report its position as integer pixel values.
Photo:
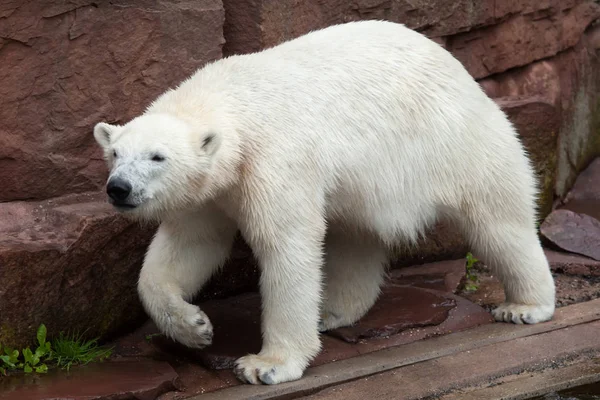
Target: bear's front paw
(190, 327)
(522, 313)
(256, 369)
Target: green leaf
(28, 356)
(27, 368)
(41, 369)
(7, 361)
(40, 352)
(41, 334)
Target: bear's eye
(114, 153)
(158, 158)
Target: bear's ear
(211, 143)
(102, 133)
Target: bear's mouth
(124, 206)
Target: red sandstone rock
(572, 264)
(444, 276)
(253, 25)
(584, 197)
(586, 189)
(537, 122)
(236, 327)
(68, 65)
(577, 233)
(522, 38)
(571, 82)
(126, 379)
(399, 308)
(513, 33)
(70, 263)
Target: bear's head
(158, 163)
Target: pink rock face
(569, 81)
(70, 263)
(513, 33)
(577, 233)
(69, 65)
(537, 121)
(253, 25)
(523, 38)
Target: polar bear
(324, 152)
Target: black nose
(118, 189)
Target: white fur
(366, 133)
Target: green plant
(69, 350)
(10, 359)
(471, 284)
(31, 361)
(63, 352)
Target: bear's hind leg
(184, 254)
(354, 272)
(510, 246)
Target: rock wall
(68, 261)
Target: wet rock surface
(399, 308)
(141, 379)
(414, 297)
(577, 233)
(444, 276)
(400, 317)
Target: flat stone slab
(577, 233)
(435, 377)
(431, 350)
(141, 379)
(444, 276)
(572, 264)
(529, 384)
(403, 314)
(399, 308)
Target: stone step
(529, 384)
(571, 331)
(141, 379)
(435, 377)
